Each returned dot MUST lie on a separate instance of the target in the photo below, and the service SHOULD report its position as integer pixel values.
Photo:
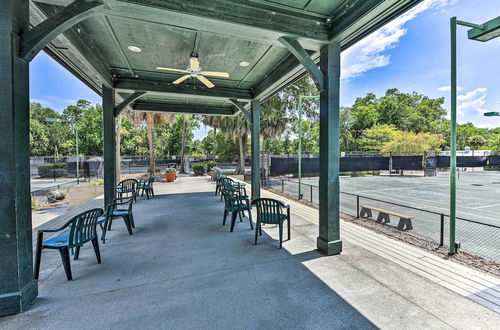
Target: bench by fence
(384, 216)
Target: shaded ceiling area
(238, 37)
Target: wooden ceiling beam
(152, 85)
(183, 108)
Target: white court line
(485, 206)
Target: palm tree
(273, 121)
(151, 120)
(183, 145)
(238, 128)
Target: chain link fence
(476, 237)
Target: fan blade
(205, 81)
(215, 74)
(195, 64)
(181, 79)
(169, 69)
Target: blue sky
(411, 53)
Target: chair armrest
(287, 207)
(49, 230)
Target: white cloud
(369, 53)
(472, 103)
(448, 88)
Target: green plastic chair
(146, 186)
(271, 211)
(235, 205)
(117, 209)
(82, 229)
(126, 188)
(219, 183)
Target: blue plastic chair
(82, 229)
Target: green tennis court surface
(478, 200)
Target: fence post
(282, 186)
(441, 238)
(311, 193)
(357, 206)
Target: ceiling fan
(194, 70)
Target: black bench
(384, 216)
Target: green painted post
(329, 147)
(453, 135)
(18, 287)
(77, 157)
(255, 149)
(299, 152)
(108, 104)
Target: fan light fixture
(194, 70)
(134, 49)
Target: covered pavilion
(116, 46)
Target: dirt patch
(461, 257)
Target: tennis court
(426, 199)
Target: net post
(441, 232)
(357, 206)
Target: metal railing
(476, 237)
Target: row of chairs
(237, 202)
(82, 228)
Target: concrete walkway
(183, 270)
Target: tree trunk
(151, 136)
(118, 148)
(240, 167)
(183, 146)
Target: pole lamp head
(52, 120)
(492, 114)
(489, 30)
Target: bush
(210, 165)
(51, 170)
(170, 170)
(199, 169)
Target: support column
(108, 104)
(329, 151)
(17, 285)
(255, 149)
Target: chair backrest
(268, 206)
(127, 186)
(83, 227)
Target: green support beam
(134, 96)
(34, 40)
(17, 285)
(303, 57)
(329, 152)
(183, 108)
(161, 86)
(239, 18)
(255, 149)
(241, 107)
(109, 127)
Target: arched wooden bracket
(120, 107)
(296, 49)
(241, 107)
(35, 39)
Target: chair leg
(132, 222)
(281, 233)
(224, 218)
(103, 228)
(289, 231)
(64, 252)
(152, 192)
(250, 218)
(257, 225)
(147, 194)
(109, 224)
(77, 253)
(239, 214)
(38, 256)
(95, 243)
(126, 219)
(233, 219)
(142, 192)
(260, 228)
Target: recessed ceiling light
(134, 49)
(244, 64)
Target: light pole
(483, 32)
(57, 120)
(299, 151)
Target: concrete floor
(183, 270)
